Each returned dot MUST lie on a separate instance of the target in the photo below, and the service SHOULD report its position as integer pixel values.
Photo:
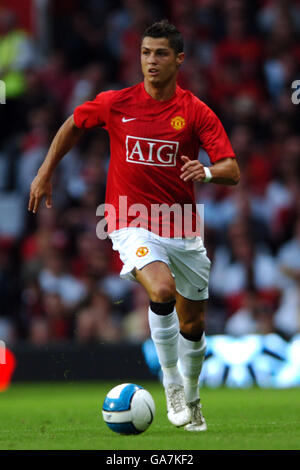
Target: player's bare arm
(65, 139)
(225, 171)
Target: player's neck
(160, 93)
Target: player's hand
(40, 187)
(192, 170)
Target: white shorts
(186, 258)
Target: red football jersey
(147, 139)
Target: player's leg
(159, 283)
(192, 347)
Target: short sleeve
(94, 113)
(211, 133)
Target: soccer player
(156, 130)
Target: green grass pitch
(67, 416)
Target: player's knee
(192, 328)
(164, 292)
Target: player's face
(159, 61)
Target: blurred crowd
(58, 281)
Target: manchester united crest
(178, 123)
(142, 251)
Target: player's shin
(191, 351)
(164, 327)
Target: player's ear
(179, 59)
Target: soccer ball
(128, 409)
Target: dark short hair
(164, 29)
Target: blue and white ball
(128, 409)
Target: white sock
(191, 357)
(164, 333)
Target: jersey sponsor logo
(178, 123)
(124, 119)
(142, 251)
(151, 151)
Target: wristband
(208, 175)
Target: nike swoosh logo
(124, 119)
(200, 290)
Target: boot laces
(176, 397)
(196, 413)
